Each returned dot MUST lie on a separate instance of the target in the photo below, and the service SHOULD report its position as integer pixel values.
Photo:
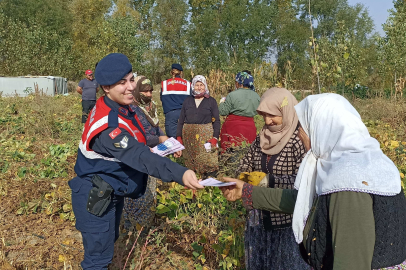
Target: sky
(377, 9)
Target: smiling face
(272, 120)
(121, 92)
(199, 87)
(89, 76)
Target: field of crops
(38, 143)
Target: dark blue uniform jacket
(128, 177)
(172, 102)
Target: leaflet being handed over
(211, 182)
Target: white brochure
(168, 147)
(211, 182)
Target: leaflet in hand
(168, 147)
(211, 182)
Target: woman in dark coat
(199, 129)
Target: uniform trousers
(98, 233)
(171, 122)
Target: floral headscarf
(245, 79)
(202, 79)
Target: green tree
(48, 14)
(168, 37)
(88, 17)
(35, 38)
(344, 60)
(343, 35)
(121, 35)
(329, 13)
(246, 29)
(393, 45)
(290, 42)
(229, 34)
(32, 50)
(100, 28)
(145, 16)
(207, 48)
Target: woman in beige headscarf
(277, 150)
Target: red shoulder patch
(115, 133)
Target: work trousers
(87, 106)
(171, 122)
(98, 233)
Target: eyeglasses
(90, 75)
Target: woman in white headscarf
(199, 129)
(348, 207)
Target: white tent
(23, 86)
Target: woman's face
(199, 87)
(122, 91)
(147, 93)
(272, 120)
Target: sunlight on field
(39, 137)
(38, 144)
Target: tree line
(272, 38)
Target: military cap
(177, 66)
(112, 68)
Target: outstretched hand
(190, 180)
(234, 192)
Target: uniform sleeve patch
(122, 144)
(115, 133)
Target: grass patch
(39, 137)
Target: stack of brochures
(168, 147)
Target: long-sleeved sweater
(207, 112)
(242, 102)
(350, 214)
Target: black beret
(177, 66)
(112, 68)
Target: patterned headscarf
(245, 79)
(145, 103)
(202, 79)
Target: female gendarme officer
(114, 162)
